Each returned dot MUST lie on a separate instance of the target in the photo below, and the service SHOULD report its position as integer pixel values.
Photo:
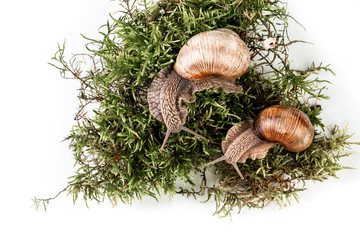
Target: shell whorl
(285, 125)
(218, 52)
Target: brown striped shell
(218, 52)
(285, 125)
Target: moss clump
(117, 148)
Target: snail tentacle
(237, 169)
(222, 159)
(193, 133)
(215, 161)
(168, 131)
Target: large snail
(209, 59)
(276, 124)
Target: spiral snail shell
(219, 52)
(213, 59)
(285, 125)
(276, 124)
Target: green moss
(117, 149)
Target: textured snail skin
(165, 103)
(276, 124)
(218, 52)
(241, 143)
(169, 89)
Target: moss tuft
(116, 149)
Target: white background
(38, 106)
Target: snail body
(276, 124)
(210, 59)
(165, 95)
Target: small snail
(276, 124)
(209, 59)
(269, 43)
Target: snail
(269, 43)
(253, 138)
(209, 59)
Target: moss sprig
(116, 147)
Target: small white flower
(269, 43)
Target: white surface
(37, 109)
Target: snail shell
(218, 52)
(276, 124)
(285, 125)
